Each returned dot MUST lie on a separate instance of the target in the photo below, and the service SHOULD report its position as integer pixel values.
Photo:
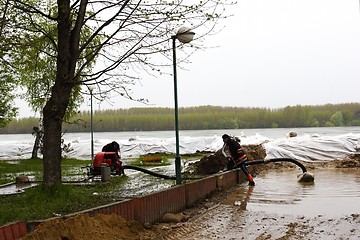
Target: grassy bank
(37, 203)
(10, 169)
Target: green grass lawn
(38, 202)
(41, 203)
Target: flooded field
(140, 183)
(279, 207)
(335, 192)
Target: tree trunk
(55, 108)
(38, 132)
(52, 143)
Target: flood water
(335, 193)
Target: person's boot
(251, 180)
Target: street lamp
(184, 35)
(91, 88)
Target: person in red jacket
(113, 147)
(238, 157)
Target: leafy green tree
(33, 58)
(337, 119)
(7, 83)
(315, 123)
(329, 124)
(130, 32)
(347, 117)
(7, 107)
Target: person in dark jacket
(111, 147)
(238, 157)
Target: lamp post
(91, 88)
(184, 35)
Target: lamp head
(185, 35)
(90, 87)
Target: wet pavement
(279, 207)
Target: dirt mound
(351, 161)
(210, 164)
(86, 227)
(216, 162)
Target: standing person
(238, 157)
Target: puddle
(335, 193)
(15, 188)
(140, 183)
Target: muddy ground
(215, 218)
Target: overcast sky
(271, 53)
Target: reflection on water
(15, 188)
(139, 183)
(335, 192)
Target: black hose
(156, 174)
(254, 162)
(148, 172)
(248, 163)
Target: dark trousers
(231, 165)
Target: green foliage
(329, 124)
(204, 117)
(28, 58)
(7, 89)
(337, 119)
(7, 108)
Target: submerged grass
(38, 202)
(41, 203)
(10, 169)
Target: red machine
(111, 159)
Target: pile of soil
(86, 227)
(217, 162)
(351, 161)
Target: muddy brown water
(279, 207)
(334, 193)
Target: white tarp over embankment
(305, 147)
(312, 148)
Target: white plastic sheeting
(303, 147)
(314, 148)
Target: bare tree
(122, 35)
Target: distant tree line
(202, 118)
